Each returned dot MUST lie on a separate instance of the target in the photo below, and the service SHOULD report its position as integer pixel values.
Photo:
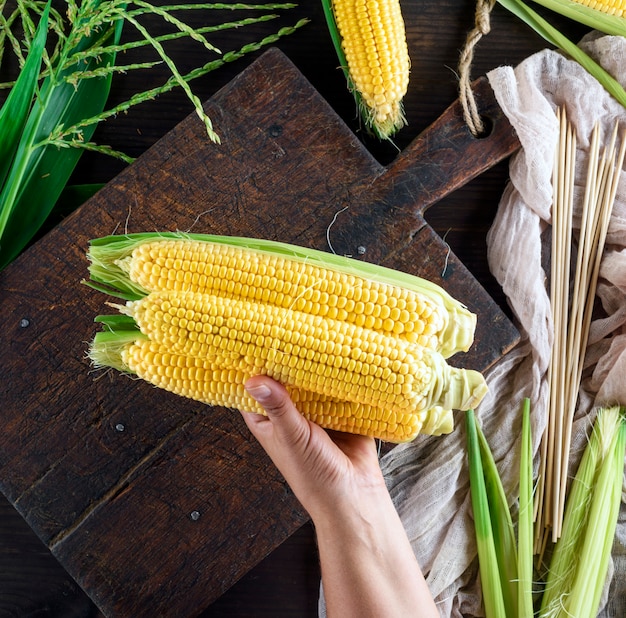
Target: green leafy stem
(66, 66)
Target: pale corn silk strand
(428, 477)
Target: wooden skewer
(572, 312)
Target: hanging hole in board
(487, 129)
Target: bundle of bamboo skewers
(573, 282)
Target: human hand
(367, 563)
(323, 468)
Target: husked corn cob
(313, 353)
(203, 338)
(373, 40)
(424, 315)
(218, 384)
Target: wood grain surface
(72, 450)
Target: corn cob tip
(437, 422)
(458, 335)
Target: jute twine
(482, 26)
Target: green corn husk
(497, 594)
(505, 562)
(525, 520)
(579, 563)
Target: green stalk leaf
(14, 112)
(491, 582)
(74, 196)
(554, 37)
(525, 520)
(40, 171)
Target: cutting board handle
(446, 155)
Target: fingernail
(261, 392)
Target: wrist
(356, 503)
(357, 519)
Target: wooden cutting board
(154, 504)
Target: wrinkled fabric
(428, 478)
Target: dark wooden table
(286, 583)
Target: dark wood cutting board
(154, 504)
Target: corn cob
(311, 352)
(285, 276)
(608, 16)
(372, 40)
(343, 375)
(214, 382)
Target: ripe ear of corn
(593, 17)
(370, 40)
(385, 300)
(608, 16)
(203, 337)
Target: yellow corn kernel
(313, 353)
(216, 384)
(611, 7)
(373, 40)
(237, 272)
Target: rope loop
(482, 27)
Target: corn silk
(428, 478)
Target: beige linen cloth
(428, 478)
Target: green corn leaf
(14, 112)
(40, 171)
(554, 37)
(70, 102)
(491, 582)
(525, 520)
(74, 196)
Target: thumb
(285, 422)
